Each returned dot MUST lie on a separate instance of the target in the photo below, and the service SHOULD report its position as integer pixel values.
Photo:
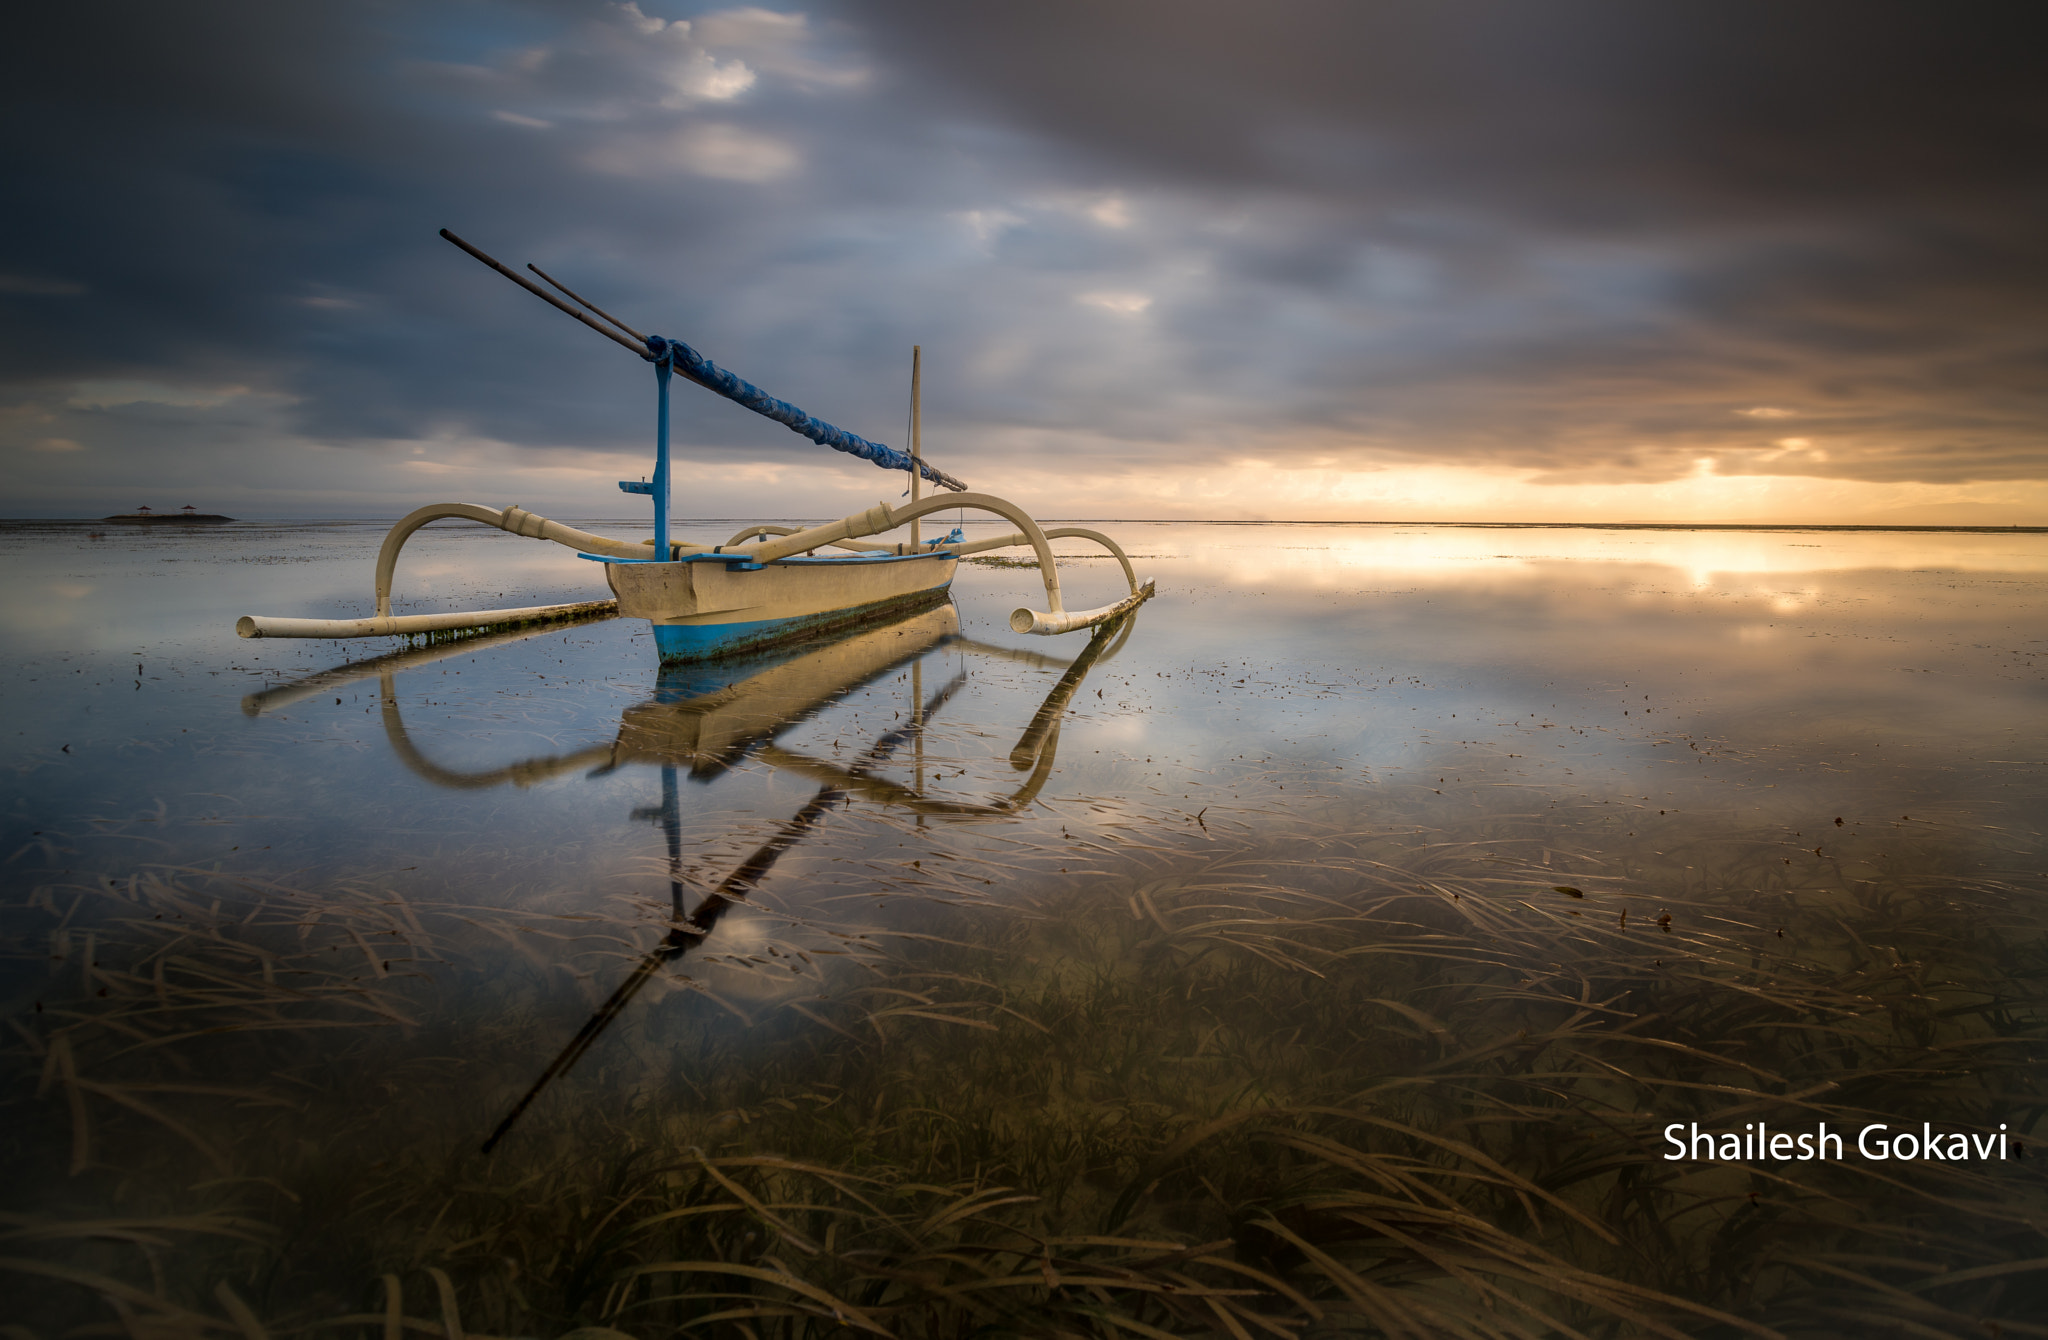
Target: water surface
(1328, 947)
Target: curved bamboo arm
(1115, 549)
(766, 529)
(883, 517)
(513, 519)
(757, 532)
(1062, 533)
(1056, 619)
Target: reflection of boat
(702, 724)
(706, 722)
(708, 601)
(698, 721)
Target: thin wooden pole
(662, 553)
(586, 302)
(637, 346)
(916, 435)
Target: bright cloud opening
(1123, 304)
(727, 152)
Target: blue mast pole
(661, 549)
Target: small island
(186, 514)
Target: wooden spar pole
(584, 301)
(537, 291)
(916, 437)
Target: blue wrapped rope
(709, 375)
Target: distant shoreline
(166, 518)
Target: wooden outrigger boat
(709, 601)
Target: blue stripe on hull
(680, 643)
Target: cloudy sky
(1438, 259)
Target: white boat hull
(711, 605)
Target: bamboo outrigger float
(707, 601)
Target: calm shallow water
(1330, 949)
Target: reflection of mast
(690, 930)
(917, 720)
(669, 815)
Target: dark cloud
(1572, 237)
(1843, 202)
(1578, 114)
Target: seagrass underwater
(1756, 1143)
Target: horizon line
(2016, 527)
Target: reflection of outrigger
(700, 723)
(708, 601)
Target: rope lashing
(701, 370)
